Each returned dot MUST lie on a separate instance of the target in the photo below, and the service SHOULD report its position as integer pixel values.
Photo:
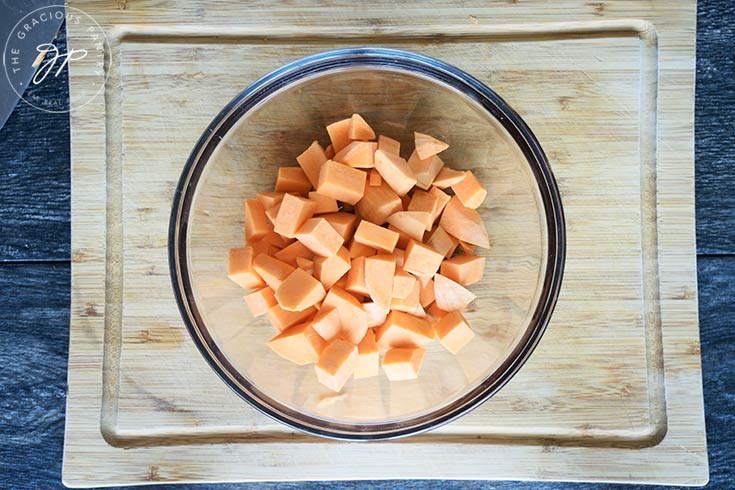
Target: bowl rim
(398, 60)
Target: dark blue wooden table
(35, 271)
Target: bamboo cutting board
(612, 393)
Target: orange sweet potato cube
(426, 202)
(464, 269)
(379, 202)
(426, 291)
(442, 242)
(290, 253)
(374, 178)
(341, 182)
(299, 290)
(379, 272)
(282, 319)
(327, 324)
(403, 284)
(358, 154)
(425, 170)
(469, 191)
(442, 198)
(412, 223)
(292, 213)
(464, 223)
(421, 260)
(320, 237)
(400, 256)
(395, 172)
(368, 357)
(339, 133)
(272, 213)
(311, 161)
(241, 268)
(292, 179)
(453, 331)
(449, 295)
(256, 223)
(389, 145)
(376, 237)
(359, 129)
(403, 363)
(358, 249)
(329, 151)
(411, 303)
(403, 237)
(272, 270)
(343, 223)
(260, 301)
(356, 278)
(401, 330)
(376, 314)
(299, 344)
(447, 177)
(435, 311)
(336, 364)
(427, 146)
(270, 199)
(323, 204)
(305, 264)
(329, 270)
(351, 315)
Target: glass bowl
(397, 92)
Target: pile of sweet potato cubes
(359, 253)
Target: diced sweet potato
(343, 223)
(358, 249)
(467, 248)
(421, 260)
(351, 315)
(403, 363)
(311, 161)
(400, 256)
(412, 223)
(305, 264)
(293, 251)
(256, 223)
(403, 284)
(453, 331)
(329, 151)
(449, 295)
(411, 303)
(426, 292)
(464, 269)
(427, 146)
(270, 199)
(263, 246)
(374, 178)
(299, 290)
(389, 145)
(272, 270)
(401, 329)
(299, 344)
(329, 270)
(426, 202)
(260, 301)
(376, 237)
(358, 154)
(443, 199)
(292, 213)
(319, 237)
(359, 129)
(336, 364)
(327, 324)
(376, 314)
(292, 179)
(379, 202)
(272, 213)
(275, 239)
(356, 278)
(470, 191)
(425, 170)
(442, 242)
(395, 172)
(379, 272)
(339, 134)
(464, 223)
(323, 204)
(403, 238)
(282, 319)
(435, 311)
(341, 182)
(447, 177)
(241, 268)
(368, 357)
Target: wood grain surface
(40, 312)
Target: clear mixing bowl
(397, 92)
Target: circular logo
(27, 52)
